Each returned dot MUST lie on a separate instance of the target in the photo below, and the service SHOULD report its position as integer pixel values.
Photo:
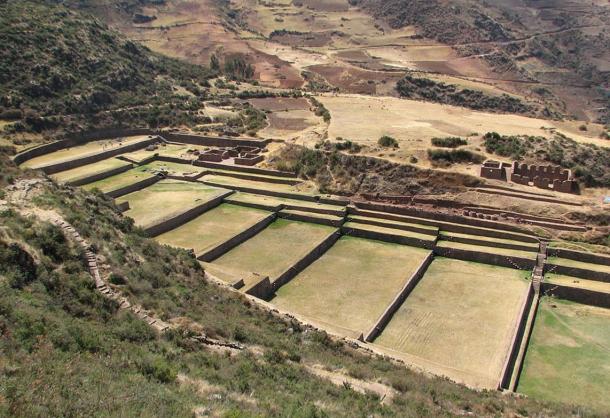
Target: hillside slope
(61, 69)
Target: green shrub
(449, 142)
(387, 141)
(448, 157)
(157, 368)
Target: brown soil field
(281, 103)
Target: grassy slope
(61, 68)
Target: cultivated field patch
(165, 198)
(88, 170)
(276, 248)
(351, 284)
(459, 320)
(213, 227)
(567, 358)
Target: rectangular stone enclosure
(459, 320)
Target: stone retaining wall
(303, 217)
(442, 217)
(519, 195)
(100, 175)
(134, 187)
(388, 237)
(214, 253)
(398, 300)
(263, 206)
(450, 227)
(412, 228)
(175, 221)
(123, 206)
(89, 159)
(485, 243)
(486, 258)
(213, 141)
(577, 272)
(261, 289)
(576, 294)
(518, 335)
(579, 256)
(305, 261)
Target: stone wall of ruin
(575, 294)
(213, 253)
(579, 256)
(134, 187)
(100, 175)
(174, 221)
(577, 272)
(486, 258)
(403, 227)
(486, 243)
(398, 300)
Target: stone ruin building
(241, 155)
(541, 176)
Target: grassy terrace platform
(578, 264)
(90, 148)
(577, 282)
(120, 180)
(458, 321)
(213, 227)
(433, 230)
(276, 248)
(271, 201)
(88, 170)
(165, 198)
(389, 230)
(174, 169)
(484, 249)
(349, 287)
(568, 356)
(448, 235)
(306, 216)
(260, 177)
(232, 181)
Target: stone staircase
(101, 285)
(538, 273)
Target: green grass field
(560, 279)
(213, 227)
(568, 358)
(120, 180)
(578, 264)
(459, 318)
(89, 170)
(166, 198)
(276, 248)
(175, 169)
(485, 249)
(275, 201)
(351, 284)
(90, 148)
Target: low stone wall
(492, 244)
(519, 195)
(442, 217)
(518, 335)
(263, 206)
(100, 175)
(214, 253)
(175, 221)
(244, 169)
(261, 289)
(577, 272)
(303, 217)
(412, 228)
(305, 261)
(123, 206)
(249, 161)
(398, 300)
(546, 222)
(340, 211)
(579, 256)
(486, 258)
(89, 159)
(80, 138)
(213, 141)
(576, 294)
(450, 227)
(387, 237)
(134, 187)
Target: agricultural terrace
(173, 169)
(89, 170)
(165, 198)
(351, 284)
(567, 262)
(485, 249)
(253, 184)
(562, 280)
(272, 201)
(168, 150)
(276, 248)
(567, 358)
(459, 320)
(90, 148)
(120, 180)
(213, 227)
